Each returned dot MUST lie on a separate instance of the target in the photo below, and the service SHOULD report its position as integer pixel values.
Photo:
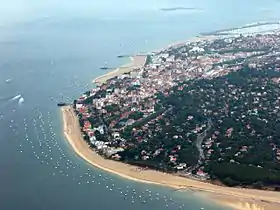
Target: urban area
(207, 109)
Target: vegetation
(244, 138)
(148, 60)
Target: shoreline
(236, 198)
(140, 60)
(135, 62)
(198, 38)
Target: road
(199, 140)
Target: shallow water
(52, 56)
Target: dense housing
(206, 110)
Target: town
(205, 109)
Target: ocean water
(50, 52)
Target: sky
(18, 10)
(13, 11)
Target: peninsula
(170, 9)
(201, 115)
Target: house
(172, 158)
(101, 129)
(116, 135)
(244, 149)
(79, 106)
(87, 125)
(92, 139)
(181, 166)
(116, 157)
(145, 157)
(201, 173)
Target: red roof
(200, 172)
(87, 124)
(82, 109)
(91, 133)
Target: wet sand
(237, 198)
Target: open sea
(50, 52)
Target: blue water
(52, 51)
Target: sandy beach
(183, 42)
(140, 60)
(135, 62)
(236, 198)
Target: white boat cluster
(41, 139)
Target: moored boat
(61, 104)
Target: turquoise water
(52, 51)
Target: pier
(112, 68)
(62, 104)
(137, 54)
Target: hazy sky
(23, 10)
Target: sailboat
(105, 67)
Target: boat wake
(10, 98)
(16, 97)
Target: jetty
(112, 68)
(137, 54)
(62, 104)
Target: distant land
(254, 28)
(170, 9)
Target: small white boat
(8, 80)
(21, 100)
(16, 97)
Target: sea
(50, 52)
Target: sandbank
(237, 198)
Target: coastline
(140, 60)
(198, 38)
(135, 62)
(236, 198)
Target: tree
(230, 182)
(136, 115)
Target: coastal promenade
(237, 198)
